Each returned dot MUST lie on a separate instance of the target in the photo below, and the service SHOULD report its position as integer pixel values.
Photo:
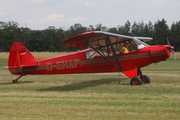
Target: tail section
(19, 58)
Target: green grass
(104, 96)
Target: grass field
(106, 96)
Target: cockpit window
(101, 45)
(139, 43)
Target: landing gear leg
(16, 80)
(145, 79)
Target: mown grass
(91, 96)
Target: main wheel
(136, 81)
(145, 79)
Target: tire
(15, 81)
(145, 79)
(136, 81)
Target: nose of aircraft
(172, 47)
(169, 47)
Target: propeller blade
(172, 51)
(174, 56)
(168, 42)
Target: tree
(126, 29)
(76, 29)
(139, 29)
(175, 36)
(90, 28)
(8, 35)
(113, 30)
(60, 36)
(135, 29)
(36, 41)
(161, 31)
(100, 27)
(50, 39)
(149, 30)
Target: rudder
(20, 57)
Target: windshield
(139, 43)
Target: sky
(40, 14)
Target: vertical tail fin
(20, 57)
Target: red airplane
(102, 52)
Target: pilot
(125, 48)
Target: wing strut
(114, 53)
(119, 68)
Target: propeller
(171, 49)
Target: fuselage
(77, 62)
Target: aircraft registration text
(60, 65)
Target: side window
(127, 47)
(132, 47)
(90, 54)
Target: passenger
(125, 48)
(109, 52)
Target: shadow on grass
(82, 85)
(19, 82)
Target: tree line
(49, 39)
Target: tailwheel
(145, 79)
(16, 80)
(136, 81)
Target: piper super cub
(102, 52)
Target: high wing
(144, 39)
(93, 38)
